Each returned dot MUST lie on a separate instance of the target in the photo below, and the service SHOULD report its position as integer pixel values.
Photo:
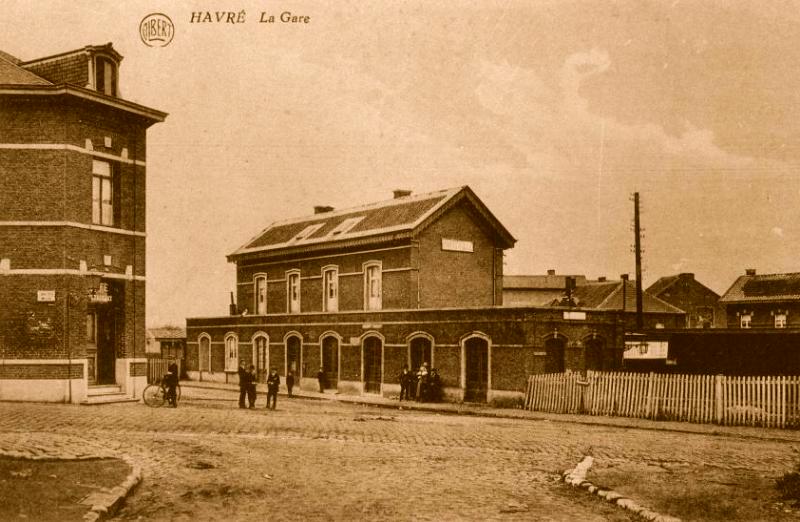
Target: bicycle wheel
(153, 396)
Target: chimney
(601, 279)
(750, 271)
(232, 306)
(551, 272)
(321, 209)
(401, 193)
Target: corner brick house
(72, 229)
(364, 291)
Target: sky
(554, 113)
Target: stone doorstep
(108, 398)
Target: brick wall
(41, 371)
(448, 279)
(396, 293)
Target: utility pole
(638, 250)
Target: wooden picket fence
(734, 401)
(158, 367)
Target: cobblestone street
(329, 460)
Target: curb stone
(576, 477)
(113, 500)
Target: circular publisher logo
(156, 30)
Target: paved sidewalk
(786, 435)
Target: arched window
(261, 355)
(105, 76)
(372, 285)
(330, 289)
(293, 291)
(231, 352)
(260, 294)
(204, 353)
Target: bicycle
(155, 395)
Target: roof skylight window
(306, 232)
(346, 225)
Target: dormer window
(745, 320)
(345, 226)
(780, 320)
(105, 76)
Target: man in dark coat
(273, 382)
(405, 383)
(289, 382)
(251, 387)
(321, 380)
(244, 383)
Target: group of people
(247, 386)
(248, 379)
(423, 385)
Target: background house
(536, 290)
(763, 301)
(701, 304)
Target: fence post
(719, 407)
(649, 407)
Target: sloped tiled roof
(662, 284)
(764, 288)
(13, 74)
(399, 215)
(608, 296)
(167, 332)
(539, 282)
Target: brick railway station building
(72, 229)
(418, 278)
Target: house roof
(607, 295)
(539, 282)
(764, 288)
(167, 332)
(13, 74)
(394, 218)
(666, 282)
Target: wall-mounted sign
(46, 296)
(457, 245)
(575, 316)
(99, 294)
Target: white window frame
(780, 320)
(231, 352)
(330, 281)
(745, 321)
(373, 302)
(259, 278)
(293, 305)
(102, 193)
(256, 337)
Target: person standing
(289, 382)
(171, 382)
(251, 387)
(243, 383)
(273, 382)
(422, 382)
(405, 382)
(321, 380)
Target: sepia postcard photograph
(400, 260)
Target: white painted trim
(289, 274)
(70, 147)
(51, 362)
(401, 269)
(325, 304)
(254, 283)
(258, 335)
(199, 338)
(235, 337)
(361, 252)
(96, 228)
(68, 271)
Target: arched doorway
(261, 356)
(204, 355)
(420, 351)
(554, 361)
(593, 354)
(293, 344)
(476, 369)
(330, 361)
(372, 353)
